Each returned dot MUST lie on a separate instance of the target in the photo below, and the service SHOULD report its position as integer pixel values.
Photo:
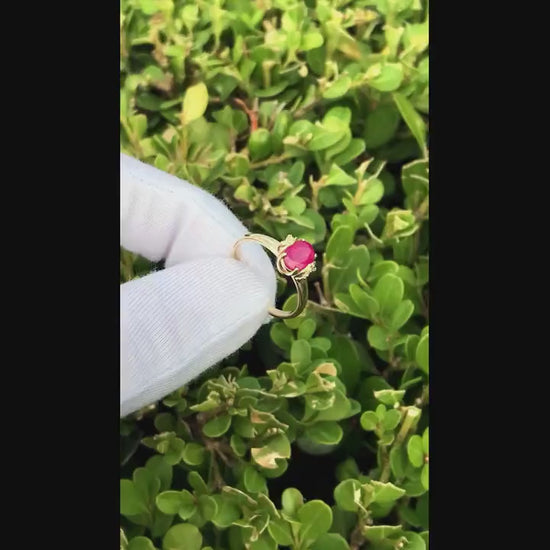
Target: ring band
(295, 258)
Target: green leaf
(316, 60)
(162, 470)
(249, 382)
(280, 530)
(366, 391)
(411, 344)
(196, 481)
(337, 176)
(291, 500)
(227, 512)
(146, 484)
(207, 507)
(379, 269)
(139, 125)
(325, 433)
(381, 125)
(401, 314)
(243, 427)
(414, 541)
(413, 119)
(323, 140)
(339, 243)
(426, 441)
(316, 519)
(188, 506)
(131, 501)
(175, 451)
(398, 461)
(339, 113)
(161, 524)
(345, 303)
(281, 335)
(354, 149)
(217, 426)
(264, 542)
(379, 337)
(425, 476)
(307, 329)
(141, 543)
(385, 77)
(414, 487)
(346, 352)
(294, 205)
(352, 266)
(386, 492)
(253, 481)
(320, 343)
(326, 135)
(148, 102)
(211, 403)
(415, 181)
(195, 102)
(183, 536)
(330, 541)
(169, 502)
(194, 454)
(416, 35)
(276, 448)
(296, 173)
(399, 224)
(389, 397)
(389, 293)
(237, 444)
(300, 353)
(373, 192)
(369, 421)
(340, 408)
(425, 535)
(365, 302)
(260, 144)
(415, 451)
(189, 14)
(376, 533)
(347, 494)
(338, 88)
(380, 411)
(301, 128)
(311, 40)
(272, 90)
(422, 353)
(391, 420)
(302, 221)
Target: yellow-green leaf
(195, 102)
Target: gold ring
(295, 259)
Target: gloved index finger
(164, 217)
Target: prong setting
(298, 273)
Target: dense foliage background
(307, 118)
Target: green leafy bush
(307, 118)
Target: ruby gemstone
(299, 255)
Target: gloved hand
(204, 305)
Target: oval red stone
(299, 255)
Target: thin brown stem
(385, 471)
(357, 539)
(320, 295)
(251, 113)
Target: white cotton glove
(204, 305)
